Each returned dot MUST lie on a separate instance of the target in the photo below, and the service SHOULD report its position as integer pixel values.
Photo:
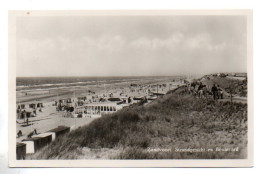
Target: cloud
(199, 41)
(157, 43)
(130, 46)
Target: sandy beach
(49, 118)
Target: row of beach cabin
(32, 105)
(36, 142)
(97, 109)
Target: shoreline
(79, 90)
(49, 118)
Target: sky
(129, 45)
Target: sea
(29, 83)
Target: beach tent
(119, 103)
(19, 114)
(32, 105)
(133, 85)
(80, 103)
(63, 101)
(36, 143)
(158, 94)
(22, 106)
(113, 99)
(23, 114)
(69, 100)
(138, 98)
(28, 114)
(53, 136)
(20, 151)
(70, 108)
(29, 147)
(81, 98)
(39, 105)
(59, 131)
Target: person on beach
(24, 114)
(192, 88)
(188, 87)
(34, 111)
(19, 134)
(214, 90)
(30, 134)
(205, 91)
(129, 100)
(220, 93)
(200, 90)
(196, 89)
(35, 132)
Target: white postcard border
(124, 163)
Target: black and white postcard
(155, 88)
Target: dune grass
(177, 120)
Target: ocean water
(24, 83)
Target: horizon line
(107, 76)
(134, 75)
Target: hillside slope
(158, 130)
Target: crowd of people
(203, 91)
